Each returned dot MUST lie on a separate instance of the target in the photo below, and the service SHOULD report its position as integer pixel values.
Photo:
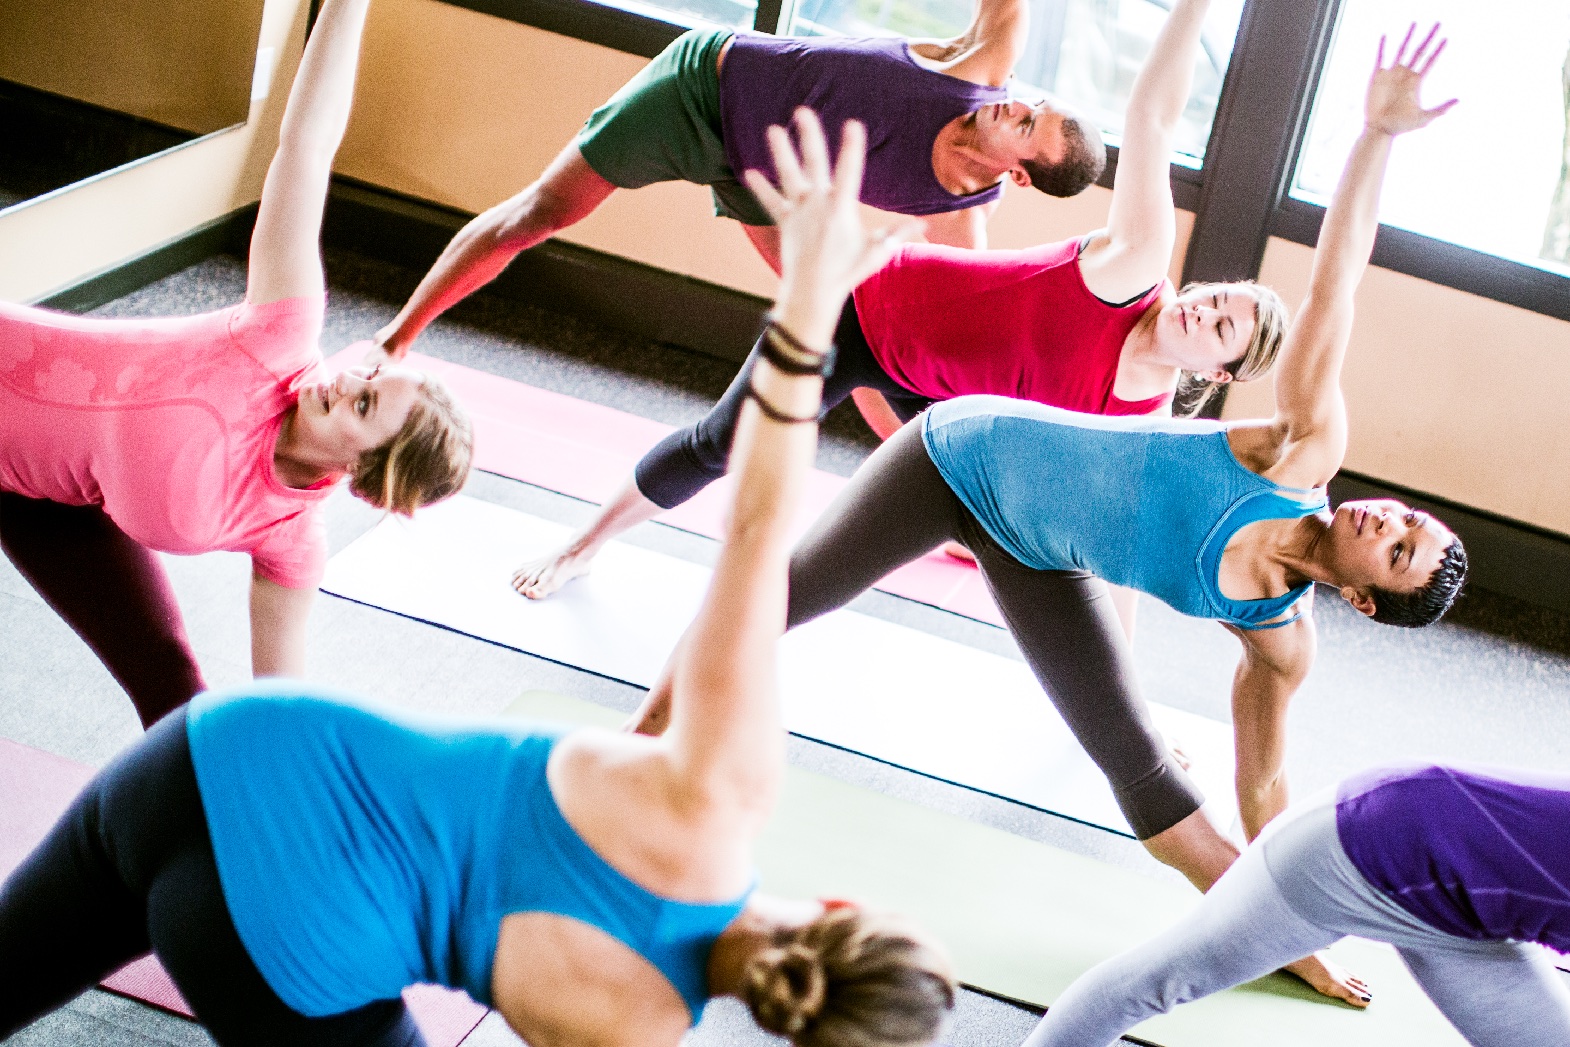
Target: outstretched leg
(286, 257)
(112, 591)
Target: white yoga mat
(893, 693)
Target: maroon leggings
(112, 591)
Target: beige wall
(1448, 393)
(57, 240)
(184, 63)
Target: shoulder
(282, 336)
(293, 551)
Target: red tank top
(945, 322)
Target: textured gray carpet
(1491, 684)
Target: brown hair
(427, 460)
(1270, 328)
(851, 978)
(1084, 158)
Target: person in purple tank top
(1466, 871)
(943, 137)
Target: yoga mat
(1022, 920)
(587, 451)
(896, 694)
(36, 787)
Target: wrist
(809, 318)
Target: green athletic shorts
(664, 126)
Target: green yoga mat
(1023, 920)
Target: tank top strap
(1267, 501)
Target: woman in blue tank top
(296, 860)
(1227, 522)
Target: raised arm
(286, 259)
(1310, 420)
(725, 736)
(989, 48)
(1142, 223)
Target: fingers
(852, 159)
(1379, 59)
(1401, 51)
(881, 245)
(1433, 57)
(1440, 110)
(1417, 56)
(814, 149)
(793, 182)
(767, 195)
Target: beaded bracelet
(774, 413)
(787, 353)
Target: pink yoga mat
(587, 451)
(35, 787)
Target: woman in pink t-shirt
(1089, 324)
(216, 431)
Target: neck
(1141, 361)
(959, 166)
(295, 464)
(1296, 549)
(756, 929)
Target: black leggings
(129, 868)
(690, 459)
(112, 591)
(899, 507)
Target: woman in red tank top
(1037, 324)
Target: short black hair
(1426, 605)
(1084, 158)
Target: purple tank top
(1480, 853)
(877, 81)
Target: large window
(1490, 175)
(692, 14)
(1087, 51)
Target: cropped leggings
(1293, 892)
(129, 868)
(111, 590)
(690, 459)
(897, 508)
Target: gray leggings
(1292, 893)
(897, 508)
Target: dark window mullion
(1280, 49)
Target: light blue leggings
(1291, 894)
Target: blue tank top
(1148, 503)
(904, 105)
(360, 853)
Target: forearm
(1351, 223)
(323, 92)
(1161, 90)
(475, 257)
(278, 623)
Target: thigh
(896, 508)
(112, 591)
(1498, 994)
(1068, 630)
(1240, 930)
(76, 907)
(194, 936)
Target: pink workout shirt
(946, 322)
(169, 424)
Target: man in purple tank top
(943, 136)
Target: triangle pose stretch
(218, 431)
(297, 859)
(1221, 521)
(1463, 869)
(1088, 324)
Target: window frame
(1238, 202)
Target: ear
(1361, 600)
(1216, 376)
(1018, 176)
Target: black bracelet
(774, 413)
(786, 352)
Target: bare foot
(1329, 978)
(537, 579)
(959, 552)
(651, 718)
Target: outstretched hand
(825, 250)
(1393, 107)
